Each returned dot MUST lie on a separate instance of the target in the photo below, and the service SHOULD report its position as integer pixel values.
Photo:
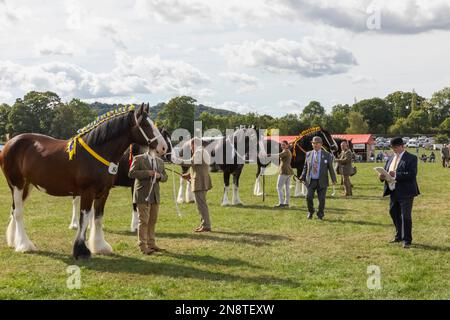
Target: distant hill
(102, 108)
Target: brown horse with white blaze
(84, 166)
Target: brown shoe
(147, 251)
(156, 248)
(203, 229)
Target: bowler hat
(397, 142)
(317, 139)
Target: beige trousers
(148, 214)
(202, 206)
(347, 185)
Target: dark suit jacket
(406, 173)
(326, 166)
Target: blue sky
(263, 56)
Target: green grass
(255, 252)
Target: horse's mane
(107, 126)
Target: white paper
(388, 178)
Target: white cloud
(114, 32)
(235, 106)
(130, 76)
(54, 46)
(397, 16)
(10, 14)
(361, 79)
(74, 14)
(246, 82)
(292, 106)
(218, 12)
(309, 58)
(5, 96)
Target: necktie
(316, 163)
(394, 163)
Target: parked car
(412, 143)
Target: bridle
(328, 141)
(152, 125)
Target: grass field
(255, 252)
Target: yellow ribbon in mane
(72, 146)
(301, 135)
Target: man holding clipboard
(399, 176)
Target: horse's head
(328, 140)
(168, 139)
(145, 131)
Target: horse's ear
(147, 108)
(140, 110)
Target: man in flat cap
(402, 166)
(315, 175)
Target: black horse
(229, 153)
(299, 147)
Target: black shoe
(309, 216)
(320, 218)
(285, 205)
(395, 240)
(406, 245)
(279, 206)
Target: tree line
(400, 113)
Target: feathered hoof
(26, 247)
(80, 251)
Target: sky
(264, 56)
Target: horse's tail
(1, 158)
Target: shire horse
(229, 153)
(299, 147)
(122, 179)
(76, 167)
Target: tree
(70, 117)
(357, 123)
(339, 118)
(20, 119)
(418, 121)
(439, 106)
(441, 138)
(376, 113)
(63, 125)
(4, 111)
(179, 112)
(312, 112)
(402, 103)
(445, 126)
(400, 127)
(290, 125)
(41, 106)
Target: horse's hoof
(80, 251)
(82, 257)
(26, 247)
